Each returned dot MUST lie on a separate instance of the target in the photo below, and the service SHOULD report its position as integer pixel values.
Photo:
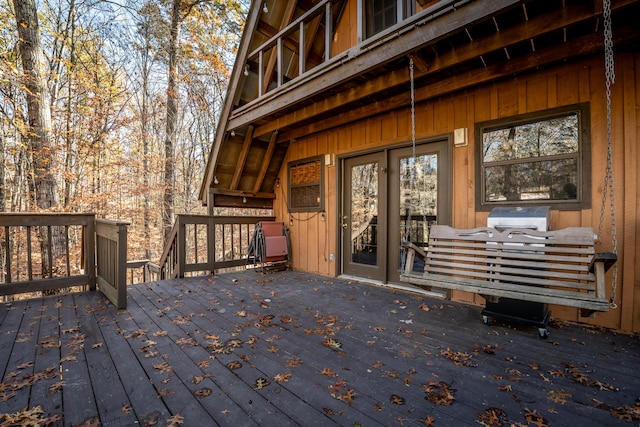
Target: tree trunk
(38, 104)
(44, 191)
(172, 121)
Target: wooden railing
(55, 251)
(111, 260)
(89, 252)
(205, 244)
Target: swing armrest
(418, 250)
(607, 258)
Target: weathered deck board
(166, 359)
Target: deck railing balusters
(18, 230)
(221, 253)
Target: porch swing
(553, 267)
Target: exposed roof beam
(265, 162)
(242, 158)
(584, 46)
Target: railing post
(89, 242)
(111, 260)
(328, 32)
(181, 247)
(211, 244)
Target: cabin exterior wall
(314, 236)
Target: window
(382, 14)
(534, 159)
(306, 189)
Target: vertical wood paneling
(565, 85)
(629, 228)
(388, 123)
(508, 99)
(552, 91)
(537, 90)
(631, 271)
(373, 134)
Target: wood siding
(314, 238)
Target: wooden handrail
(44, 271)
(51, 267)
(181, 256)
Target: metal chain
(413, 108)
(610, 78)
(408, 202)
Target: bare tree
(172, 119)
(44, 188)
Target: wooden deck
(290, 348)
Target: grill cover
(532, 217)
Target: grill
(514, 310)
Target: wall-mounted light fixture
(233, 133)
(246, 70)
(265, 9)
(244, 199)
(215, 180)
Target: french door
(388, 197)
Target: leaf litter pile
(388, 363)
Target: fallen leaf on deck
(533, 417)
(26, 417)
(396, 399)
(558, 396)
(329, 373)
(427, 421)
(56, 387)
(332, 343)
(459, 358)
(493, 417)
(163, 367)
(625, 412)
(203, 392)
(151, 419)
(293, 362)
(260, 384)
(439, 392)
(177, 419)
(90, 422)
(164, 392)
(234, 364)
(282, 378)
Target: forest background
(133, 88)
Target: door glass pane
(364, 214)
(418, 197)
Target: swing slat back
(556, 267)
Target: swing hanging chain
(608, 180)
(413, 108)
(408, 202)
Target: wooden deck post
(111, 243)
